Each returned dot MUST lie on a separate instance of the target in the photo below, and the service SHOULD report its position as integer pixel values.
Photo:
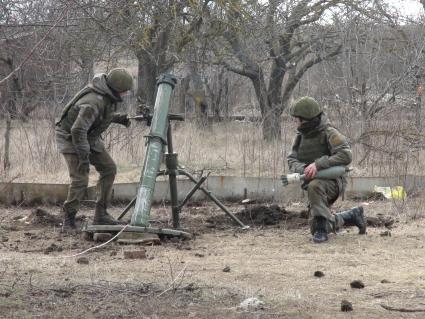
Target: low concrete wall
(223, 187)
(28, 193)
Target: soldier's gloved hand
(83, 164)
(122, 119)
(149, 121)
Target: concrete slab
(223, 187)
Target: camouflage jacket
(86, 117)
(325, 146)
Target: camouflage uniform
(78, 137)
(326, 147)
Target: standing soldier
(319, 146)
(78, 136)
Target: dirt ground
(209, 276)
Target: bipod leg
(127, 208)
(214, 199)
(193, 190)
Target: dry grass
(234, 148)
(227, 148)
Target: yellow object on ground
(396, 192)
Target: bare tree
(34, 64)
(285, 40)
(370, 87)
(154, 31)
(274, 43)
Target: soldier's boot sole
(320, 237)
(359, 220)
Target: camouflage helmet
(306, 108)
(119, 80)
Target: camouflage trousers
(321, 195)
(107, 170)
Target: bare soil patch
(257, 215)
(42, 275)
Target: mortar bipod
(173, 170)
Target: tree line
(368, 53)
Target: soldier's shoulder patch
(87, 112)
(336, 138)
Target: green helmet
(306, 108)
(119, 80)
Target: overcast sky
(409, 7)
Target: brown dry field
(185, 279)
(226, 148)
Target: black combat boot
(68, 223)
(320, 233)
(354, 217)
(101, 217)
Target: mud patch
(260, 215)
(52, 248)
(380, 221)
(40, 217)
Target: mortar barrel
(154, 149)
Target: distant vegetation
(362, 60)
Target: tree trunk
(6, 162)
(275, 85)
(14, 89)
(418, 111)
(217, 100)
(146, 81)
(271, 125)
(215, 90)
(183, 96)
(198, 93)
(270, 113)
(419, 94)
(226, 98)
(365, 139)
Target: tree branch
(391, 21)
(236, 46)
(63, 14)
(239, 71)
(316, 60)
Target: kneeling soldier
(318, 146)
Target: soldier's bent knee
(314, 186)
(109, 170)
